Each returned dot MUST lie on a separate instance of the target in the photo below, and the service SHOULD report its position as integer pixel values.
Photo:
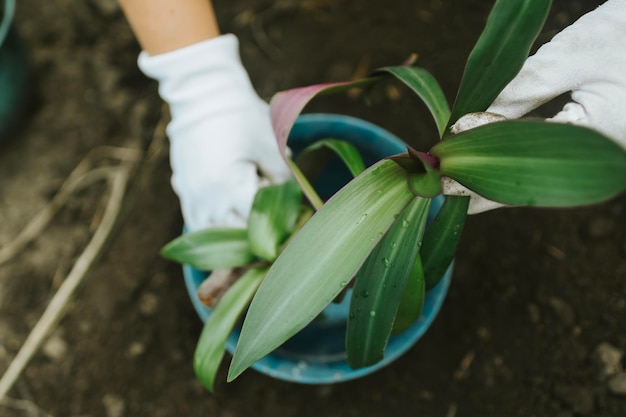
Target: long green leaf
(380, 284)
(499, 54)
(210, 348)
(272, 218)
(347, 152)
(413, 298)
(427, 88)
(320, 260)
(535, 163)
(442, 238)
(211, 249)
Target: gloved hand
(587, 59)
(222, 146)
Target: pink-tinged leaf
(286, 106)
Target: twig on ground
(24, 405)
(118, 179)
(54, 312)
(80, 178)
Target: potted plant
(13, 71)
(375, 228)
(316, 354)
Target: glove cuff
(206, 76)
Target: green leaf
(210, 348)
(422, 178)
(427, 88)
(211, 249)
(380, 284)
(499, 54)
(535, 163)
(306, 187)
(428, 183)
(348, 153)
(412, 301)
(442, 238)
(320, 260)
(272, 218)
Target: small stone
(484, 333)
(563, 310)
(136, 349)
(114, 405)
(148, 304)
(55, 348)
(617, 384)
(607, 359)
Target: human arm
(222, 146)
(163, 26)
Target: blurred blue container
(316, 355)
(13, 72)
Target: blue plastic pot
(317, 355)
(13, 72)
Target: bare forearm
(166, 25)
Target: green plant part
(355, 218)
(211, 249)
(499, 53)
(277, 213)
(513, 162)
(442, 238)
(535, 163)
(273, 218)
(347, 152)
(413, 298)
(380, 285)
(219, 325)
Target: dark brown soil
(534, 293)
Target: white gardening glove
(221, 138)
(587, 59)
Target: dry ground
(533, 296)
